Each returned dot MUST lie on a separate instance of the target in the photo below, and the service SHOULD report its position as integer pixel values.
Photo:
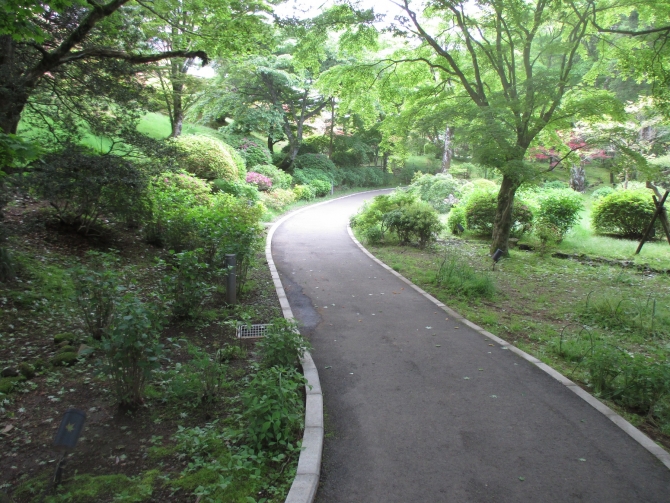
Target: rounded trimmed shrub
(280, 179)
(441, 191)
(304, 192)
(559, 208)
(417, 221)
(624, 213)
(480, 212)
(278, 198)
(209, 158)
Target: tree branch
(133, 58)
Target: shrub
(209, 158)
(315, 163)
(282, 345)
(131, 350)
(480, 211)
(241, 190)
(280, 179)
(261, 181)
(278, 198)
(559, 208)
(548, 234)
(441, 191)
(253, 153)
(82, 187)
(602, 192)
(373, 235)
(171, 195)
(7, 266)
(456, 216)
(625, 213)
(373, 214)
(304, 192)
(273, 407)
(554, 184)
(321, 187)
(188, 283)
(98, 290)
(417, 221)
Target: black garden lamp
(67, 436)
(460, 228)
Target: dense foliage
(209, 158)
(625, 213)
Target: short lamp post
(67, 437)
(460, 228)
(497, 255)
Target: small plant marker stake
(659, 210)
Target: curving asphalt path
(420, 408)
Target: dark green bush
(480, 212)
(321, 187)
(188, 283)
(282, 346)
(414, 222)
(83, 187)
(559, 208)
(239, 189)
(625, 213)
(209, 158)
(273, 407)
(131, 349)
(99, 290)
(314, 166)
(372, 214)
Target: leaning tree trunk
(578, 178)
(448, 153)
(502, 225)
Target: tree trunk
(332, 127)
(448, 152)
(14, 92)
(502, 225)
(385, 161)
(578, 178)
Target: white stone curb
(642, 439)
(306, 482)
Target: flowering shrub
(278, 198)
(260, 181)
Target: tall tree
(222, 27)
(520, 65)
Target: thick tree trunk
(385, 161)
(502, 225)
(448, 152)
(578, 178)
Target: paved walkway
(422, 409)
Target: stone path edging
(306, 482)
(642, 439)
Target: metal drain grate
(251, 331)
